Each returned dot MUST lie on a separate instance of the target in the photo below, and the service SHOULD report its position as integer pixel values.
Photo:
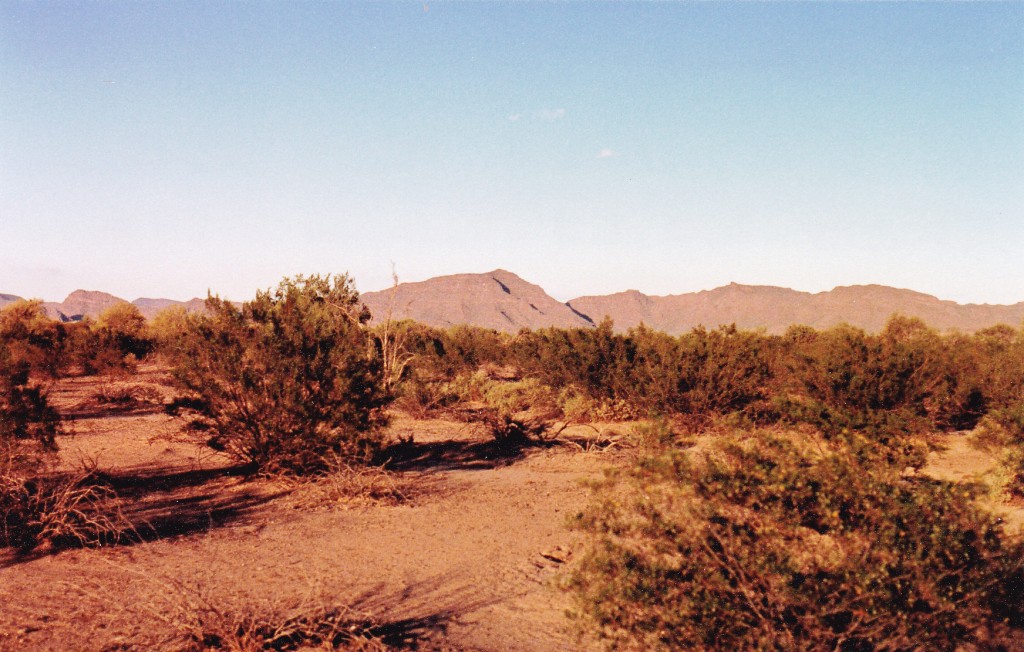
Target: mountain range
(505, 302)
(89, 303)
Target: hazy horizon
(565, 299)
(163, 149)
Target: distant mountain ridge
(503, 301)
(90, 303)
(499, 300)
(775, 309)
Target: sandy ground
(470, 560)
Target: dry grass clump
(205, 627)
(65, 510)
(188, 618)
(127, 394)
(348, 484)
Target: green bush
(773, 542)
(287, 380)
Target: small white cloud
(607, 153)
(550, 115)
(515, 117)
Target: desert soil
(464, 551)
(463, 547)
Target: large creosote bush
(287, 381)
(775, 542)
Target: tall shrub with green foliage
(846, 379)
(287, 380)
(769, 542)
(724, 370)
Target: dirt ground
(463, 550)
(467, 557)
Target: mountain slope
(499, 300)
(81, 303)
(8, 298)
(87, 303)
(505, 302)
(151, 307)
(775, 309)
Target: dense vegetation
(804, 524)
(906, 378)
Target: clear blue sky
(167, 148)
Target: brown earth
(460, 548)
(468, 559)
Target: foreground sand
(468, 560)
(463, 550)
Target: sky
(168, 149)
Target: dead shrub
(194, 621)
(65, 510)
(348, 484)
(127, 395)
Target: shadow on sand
(409, 619)
(458, 455)
(150, 503)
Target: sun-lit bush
(287, 380)
(776, 542)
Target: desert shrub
(655, 366)
(124, 327)
(167, 329)
(844, 379)
(286, 380)
(644, 371)
(37, 504)
(93, 352)
(577, 406)
(593, 360)
(422, 397)
(764, 541)
(511, 410)
(119, 339)
(33, 339)
(25, 412)
(724, 370)
(466, 348)
(1002, 431)
(519, 410)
